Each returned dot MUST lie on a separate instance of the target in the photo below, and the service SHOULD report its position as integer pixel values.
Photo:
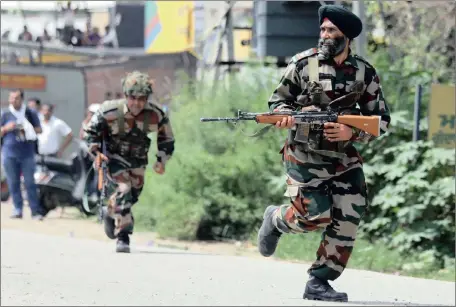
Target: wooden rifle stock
(369, 124)
(100, 172)
(270, 118)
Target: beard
(329, 48)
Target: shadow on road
(379, 303)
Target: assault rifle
(369, 124)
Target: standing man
(19, 127)
(56, 135)
(35, 104)
(325, 177)
(124, 125)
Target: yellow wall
(177, 28)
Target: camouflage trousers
(328, 194)
(124, 189)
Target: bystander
(19, 128)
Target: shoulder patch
(358, 57)
(305, 54)
(111, 105)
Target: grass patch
(366, 256)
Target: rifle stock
(369, 124)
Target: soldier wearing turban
(325, 178)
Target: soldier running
(123, 125)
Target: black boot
(123, 243)
(268, 235)
(320, 290)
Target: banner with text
(442, 117)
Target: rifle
(101, 181)
(369, 124)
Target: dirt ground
(71, 223)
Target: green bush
(411, 194)
(219, 180)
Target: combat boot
(321, 290)
(269, 235)
(123, 243)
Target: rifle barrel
(219, 119)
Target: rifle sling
(120, 120)
(313, 69)
(145, 122)
(259, 133)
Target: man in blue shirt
(19, 126)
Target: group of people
(68, 35)
(325, 178)
(30, 128)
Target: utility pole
(225, 36)
(229, 35)
(417, 113)
(361, 41)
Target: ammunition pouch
(129, 147)
(310, 138)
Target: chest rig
(308, 136)
(133, 144)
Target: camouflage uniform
(326, 183)
(127, 147)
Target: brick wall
(101, 80)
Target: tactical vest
(311, 138)
(132, 145)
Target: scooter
(65, 183)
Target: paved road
(44, 270)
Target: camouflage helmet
(137, 84)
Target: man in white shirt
(56, 135)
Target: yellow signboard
(442, 117)
(168, 26)
(242, 47)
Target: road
(45, 270)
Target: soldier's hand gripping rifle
(369, 124)
(101, 161)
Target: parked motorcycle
(65, 183)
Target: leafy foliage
(411, 43)
(412, 195)
(219, 181)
